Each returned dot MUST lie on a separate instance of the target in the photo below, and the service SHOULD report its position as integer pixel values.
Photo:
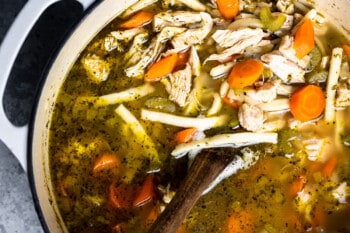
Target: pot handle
(15, 137)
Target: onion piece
(234, 140)
(201, 123)
(332, 82)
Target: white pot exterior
(337, 10)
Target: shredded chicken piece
(235, 41)
(287, 50)
(117, 39)
(134, 53)
(193, 4)
(341, 193)
(97, 68)
(287, 25)
(251, 117)
(343, 96)
(221, 70)
(193, 36)
(286, 70)
(313, 148)
(194, 62)
(175, 19)
(265, 93)
(153, 51)
(285, 6)
(180, 85)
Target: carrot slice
(146, 192)
(304, 40)
(245, 73)
(120, 196)
(185, 135)
(346, 49)
(104, 162)
(161, 68)
(307, 103)
(240, 222)
(228, 8)
(329, 167)
(297, 186)
(137, 20)
(182, 60)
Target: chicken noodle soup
(165, 79)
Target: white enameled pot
(37, 138)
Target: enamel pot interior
(39, 171)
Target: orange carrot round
(228, 8)
(329, 167)
(245, 73)
(304, 40)
(146, 192)
(104, 162)
(161, 68)
(185, 135)
(307, 103)
(138, 20)
(346, 49)
(297, 186)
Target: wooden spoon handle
(205, 168)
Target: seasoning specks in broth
(168, 78)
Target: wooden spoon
(207, 165)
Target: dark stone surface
(17, 212)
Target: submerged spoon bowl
(207, 165)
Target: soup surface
(270, 79)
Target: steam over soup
(168, 78)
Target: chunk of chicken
(136, 49)
(221, 70)
(97, 68)
(235, 41)
(265, 93)
(175, 19)
(285, 6)
(313, 148)
(193, 4)
(194, 62)
(286, 70)
(287, 50)
(153, 51)
(180, 85)
(287, 25)
(117, 39)
(251, 117)
(193, 36)
(343, 96)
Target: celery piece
(270, 22)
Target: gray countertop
(17, 211)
